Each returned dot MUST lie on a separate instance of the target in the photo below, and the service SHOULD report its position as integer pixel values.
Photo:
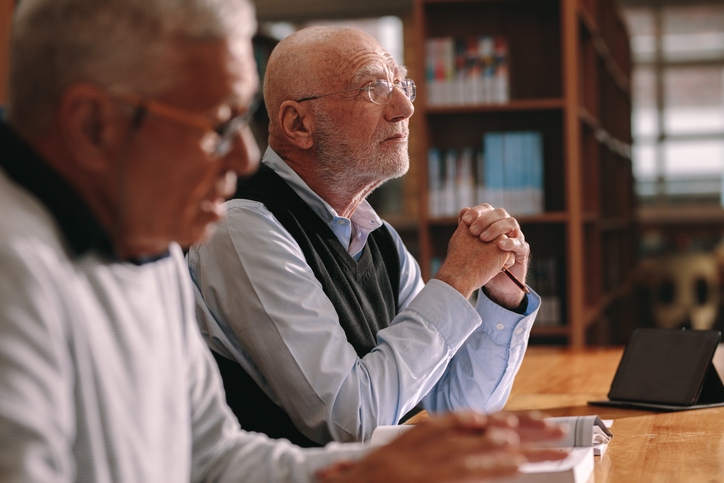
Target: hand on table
(453, 448)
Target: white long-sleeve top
(104, 376)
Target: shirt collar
(77, 223)
(363, 221)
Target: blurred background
(610, 115)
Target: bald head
(338, 112)
(317, 60)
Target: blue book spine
(537, 172)
(434, 181)
(494, 179)
(511, 172)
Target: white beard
(349, 164)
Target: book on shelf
(449, 183)
(501, 83)
(467, 70)
(494, 176)
(513, 164)
(464, 180)
(507, 173)
(435, 175)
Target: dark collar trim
(79, 226)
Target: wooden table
(648, 446)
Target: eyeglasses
(379, 92)
(219, 139)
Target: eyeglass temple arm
(149, 105)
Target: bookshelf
(569, 79)
(6, 15)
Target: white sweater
(104, 375)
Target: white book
(448, 56)
(575, 468)
(501, 88)
(449, 184)
(486, 51)
(434, 181)
(585, 431)
(465, 191)
(430, 66)
(588, 432)
(472, 70)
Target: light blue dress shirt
(259, 303)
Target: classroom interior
(620, 104)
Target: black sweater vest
(364, 293)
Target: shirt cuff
(503, 326)
(444, 307)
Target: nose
(400, 106)
(245, 155)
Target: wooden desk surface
(648, 446)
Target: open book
(584, 431)
(575, 468)
(588, 435)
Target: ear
(89, 120)
(296, 126)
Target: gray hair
(128, 44)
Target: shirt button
(500, 327)
(341, 222)
(519, 331)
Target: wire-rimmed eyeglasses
(379, 92)
(219, 139)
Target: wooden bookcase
(569, 71)
(6, 15)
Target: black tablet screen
(664, 366)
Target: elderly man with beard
(315, 311)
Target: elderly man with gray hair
(127, 128)
(316, 312)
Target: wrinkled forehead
(362, 58)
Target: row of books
(470, 70)
(507, 173)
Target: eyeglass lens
(230, 128)
(381, 91)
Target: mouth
(397, 137)
(224, 189)
(213, 207)
(226, 186)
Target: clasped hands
(486, 240)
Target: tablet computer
(667, 369)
